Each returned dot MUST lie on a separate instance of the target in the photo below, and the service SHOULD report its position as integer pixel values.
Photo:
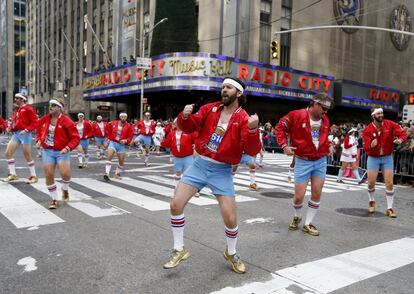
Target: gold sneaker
(53, 204)
(371, 207)
(391, 213)
(118, 177)
(65, 196)
(176, 257)
(236, 262)
(32, 180)
(311, 230)
(254, 187)
(146, 163)
(10, 178)
(295, 223)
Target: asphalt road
(115, 238)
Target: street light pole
(144, 35)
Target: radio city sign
(261, 79)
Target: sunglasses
(53, 105)
(324, 108)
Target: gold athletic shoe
(53, 204)
(295, 223)
(176, 257)
(311, 230)
(32, 180)
(236, 262)
(254, 187)
(118, 177)
(10, 178)
(371, 207)
(391, 213)
(65, 196)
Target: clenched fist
(188, 109)
(253, 121)
(374, 143)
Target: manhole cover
(359, 212)
(276, 194)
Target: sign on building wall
(360, 95)
(203, 71)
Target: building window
(265, 30)
(285, 39)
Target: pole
(142, 79)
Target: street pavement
(115, 237)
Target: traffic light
(411, 98)
(65, 93)
(145, 74)
(274, 49)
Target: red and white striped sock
(231, 238)
(312, 210)
(390, 198)
(177, 227)
(11, 163)
(31, 165)
(53, 191)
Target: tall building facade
(234, 37)
(12, 53)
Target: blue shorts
(117, 147)
(84, 143)
(100, 140)
(22, 139)
(305, 169)
(145, 140)
(246, 159)
(182, 163)
(54, 156)
(381, 162)
(216, 176)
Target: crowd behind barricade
(403, 153)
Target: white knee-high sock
(340, 173)
(252, 176)
(65, 185)
(312, 210)
(53, 191)
(297, 209)
(108, 167)
(80, 157)
(356, 174)
(177, 227)
(11, 163)
(390, 198)
(371, 194)
(31, 165)
(231, 238)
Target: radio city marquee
(203, 71)
(361, 95)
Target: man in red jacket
(85, 132)
(24, 121)
(225, 131)
(182, 147)
(57, 134)
(308, 130)
(3, 125)
(120, 133)
(99, 128)
(379, 138)
(146, 128)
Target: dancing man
(308, 131)
(225, 131)
(379, 137)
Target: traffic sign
(144, 63)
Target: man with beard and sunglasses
(57, 134)
(379, 138)
(308, 130)
(225, 131)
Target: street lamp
(144, 35)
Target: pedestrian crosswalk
(152, 192)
